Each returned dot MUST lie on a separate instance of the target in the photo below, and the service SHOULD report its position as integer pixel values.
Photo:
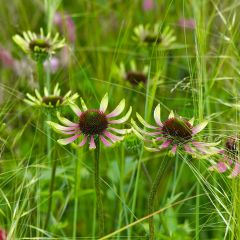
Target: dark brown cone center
(93, 122)
(136, 77)
(52, 100)
(177, 128)
(153, 39)
(39, 44)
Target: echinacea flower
(92, 124)
(187, 23)
(174, 133)
(230, 161)
(158, 35)
(131, 74)
(51, 100)
(40, 47)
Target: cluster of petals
(50, 100)
(229, 163)
(103, 124)
(166, 135)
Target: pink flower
(52, 64)
(174, 133)
(230, 161)
(6, 58)
(148, 5)
(66, 24)
(187, 23)
(92, 123)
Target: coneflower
(51, 100)
(132, 74)
(230, 161)
(158, 35)
(94, 126)
(39, 46)
(175, 133)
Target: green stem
(40, 71)
(76, 191)
(151, 203)
(51, 188)
(97, 189)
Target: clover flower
(230, 160)
(161, 36)
(92, 124)
(174, 133)
(132, 74)
(50, 100)
(40, 47)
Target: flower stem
(40, 70)
(97, 189)
(151, 203)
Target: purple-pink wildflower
(174, 133)
(93, 123)
(148, 5)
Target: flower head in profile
(175, 133)
(132, 74)
(40, 47)
(230, 161)
(51, 100)
(158, 35)
(93, 124)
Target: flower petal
(157, 116)
(92, 144)
(104, 103)
(165, 144)
(118, 110)
(105, 142)
(120, 131)
(144, 123)
(198, 128)
(84, 106)
(59, 128)
(66, 141)
(171, 115)
(236, 170)
(123, 119)
(83, 141)
(113, 137)
(65, 121)
(76, 109)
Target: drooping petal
(165, 144)
(83, 141)
(198, 128)
(118, 110)
(104, 103)
(191, 121)
(65, 121)
(92, 144)
(84, 106)
(171, 115)
(144, 123)
(113, 137)
(157, 115)
(59, 128)
(120, 131)
(219, 167)
(174, 149)
(135, 126)
(76, 109)
(105, 142)
(66, 141)
(236, 170)
(188, 149)
(123, 119)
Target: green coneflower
(161, 36)
(132, 74)
(41, 46)
(51, 100)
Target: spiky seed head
(177, 128)
(93, 122)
